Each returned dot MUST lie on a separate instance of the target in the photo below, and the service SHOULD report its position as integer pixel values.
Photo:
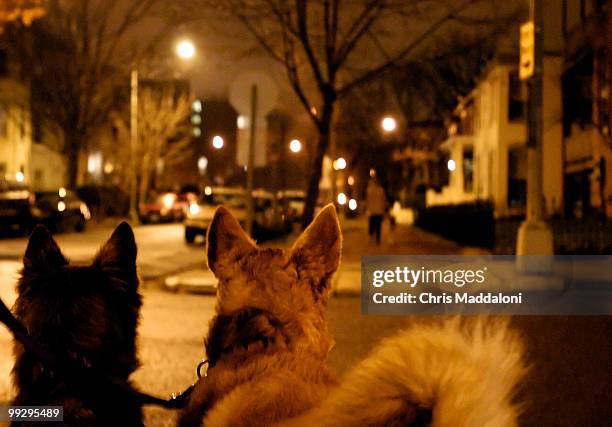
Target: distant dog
(268, 344)
(86, 317)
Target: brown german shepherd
(268, 344)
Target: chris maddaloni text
(444, 298)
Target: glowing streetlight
(19, 176)
(185, 49)
(351, 180)
(218, 142)
(208, 190)
(295, 146)
(389, 124)
(339, 163)
(352, 204)
(202, 165)
(342, 199)
(451, 165)
(242, 122)
(62, 192)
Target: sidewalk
(405, 240)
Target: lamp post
(185, 50)
(534, 235)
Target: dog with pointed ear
(80, 314)
(269, 321)
(313, 259)
(273, 287)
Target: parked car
(21, 209)
(165, 207)
(267, 219)
(293, 202)
(62, 210)
(17, 208)
(104, 201)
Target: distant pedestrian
(376, 205)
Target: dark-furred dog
(268, 343)
(85, 317)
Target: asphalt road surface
(162, 248)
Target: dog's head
(85, 312)
(272, 295)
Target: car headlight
(85, 211)
(168, 200)
(194, 209)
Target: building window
(517, 178)
(516, 97)
(3, 120)
(578, 95)
(468, 169)
(36, 127)
(3, 63)
(602, 93)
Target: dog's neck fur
(250, 330)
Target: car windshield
(227, 200)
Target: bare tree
(164, 137)
(422, 94)
(73, 58)
(329, 47)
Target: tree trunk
(72, 154)
(145, 178)
(316, 166)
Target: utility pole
(133, 214)
(534, 235)
(251, 162)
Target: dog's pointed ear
(42, 253)
(225, 240)
(118, 255)
(316, 253)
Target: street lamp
(339, 164)
(218, 142)
(295, 146)
(388, 124)
(185, 50)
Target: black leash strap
(22, 335)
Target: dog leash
(21, 334)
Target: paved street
(566, 386)
(161, 248)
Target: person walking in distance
(376, 203)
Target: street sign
(240, 98)
(527, 59)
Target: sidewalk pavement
(403, 240)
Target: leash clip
(204, 362)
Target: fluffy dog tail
(457, 374)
